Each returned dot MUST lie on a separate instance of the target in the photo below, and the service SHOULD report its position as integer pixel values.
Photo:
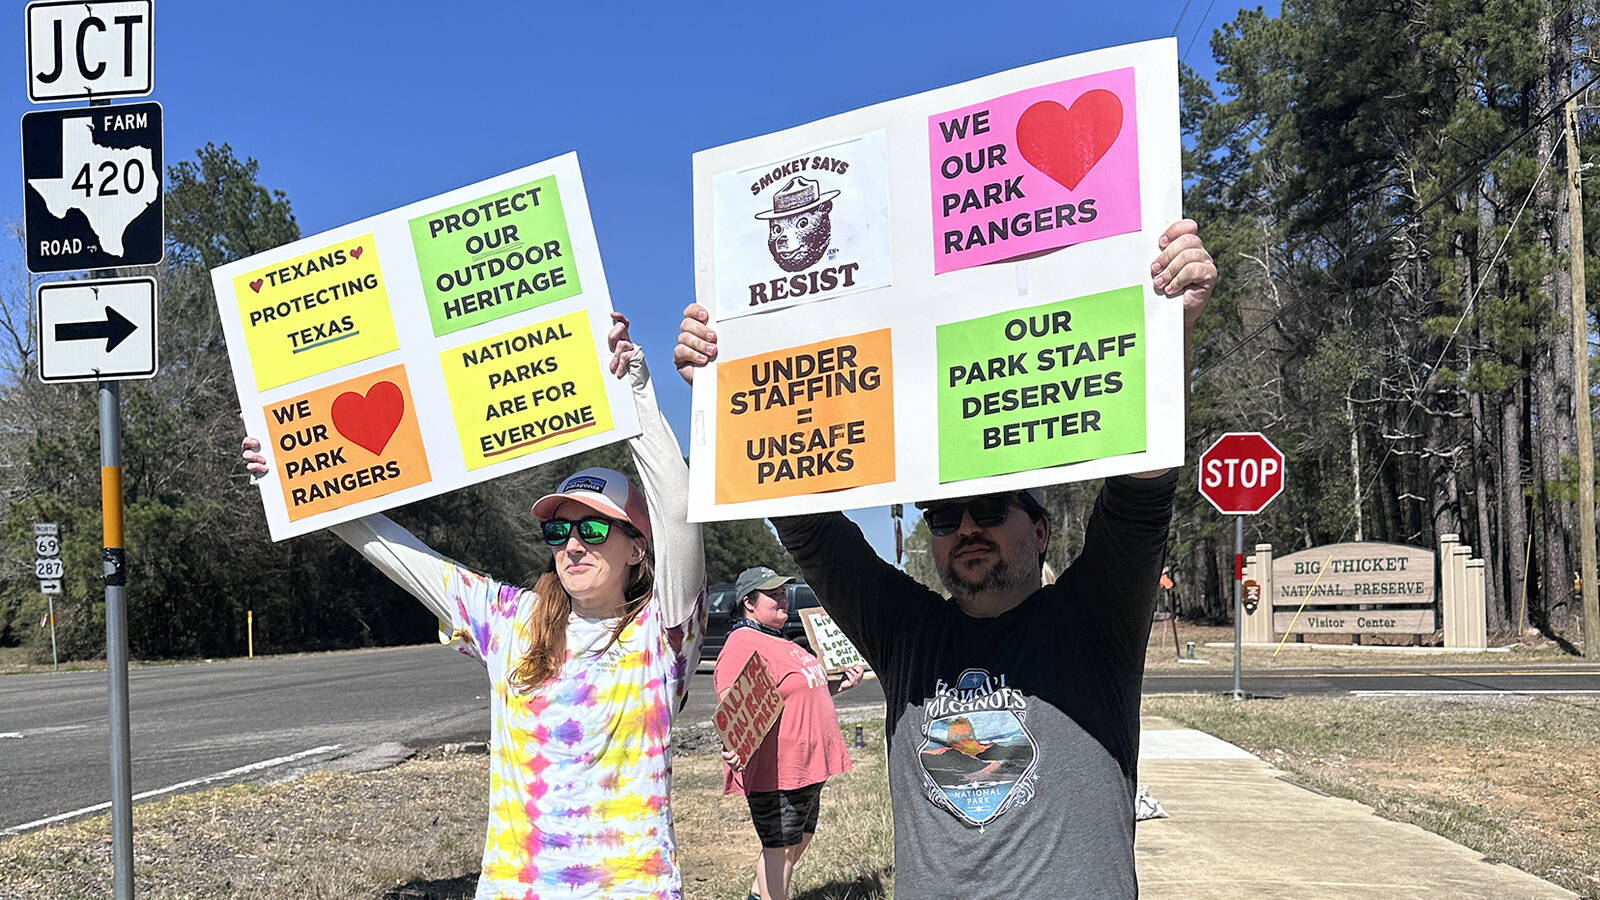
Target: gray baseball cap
(758, 578)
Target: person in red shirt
(782, 781)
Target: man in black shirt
(1012, 709)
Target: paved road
(193, 721)
(197, 721)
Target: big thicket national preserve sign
(1365, 587)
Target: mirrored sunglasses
(590, 531)
(986, 512)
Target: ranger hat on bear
(794, 198)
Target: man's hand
(852, 677)
(697, 343)
(1184, 267)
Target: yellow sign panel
(528, 389)
(315, 312)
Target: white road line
(241, 770)
(1421, 693)
(11, 734)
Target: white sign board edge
(419, 349)
(921, 301)
(141, 83)
(818, 624)
(134, 359)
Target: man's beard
(1001, 573)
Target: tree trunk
(1555, 438)
(1493, 545)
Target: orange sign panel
(346, 443)
(818, 417)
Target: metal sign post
(116, 638)
(1238, 607)
(92, 200)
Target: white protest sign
(944, 294)
(444, 343)
(828, 642)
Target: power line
(1181, 14)
(1201, 24)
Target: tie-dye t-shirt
(580, 769)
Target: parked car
(720, 603)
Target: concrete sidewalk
(1237, 829)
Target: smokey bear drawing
(799, 223)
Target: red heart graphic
(356, 253)
(256, 285)
(371, 420)
(1064, 143)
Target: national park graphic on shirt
(977, 756)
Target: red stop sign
(1241, 473)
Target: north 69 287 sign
(92, 187)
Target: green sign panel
(494, 256)
(1044, 386)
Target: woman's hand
(852, 677)
(733, 760)
(622, 347)
(254, 462)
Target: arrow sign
(115, 328)
(103, 330)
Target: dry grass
(1515, 777)
(851, 858)
(326, 835)
(1324, 652)
(415, 832)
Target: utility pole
(1580, 389)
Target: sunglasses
(986, 512)
(590, 531)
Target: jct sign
(1241, 473)
(86, 51)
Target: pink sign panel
(1036, 170)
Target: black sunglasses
(590, 531)
(987, 512)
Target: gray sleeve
(454, 593)
(679, 549)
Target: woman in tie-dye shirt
(586, 670)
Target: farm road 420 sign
(93, 195)
(444, 343)
(944, 294)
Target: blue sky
(353, 109)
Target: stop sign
(1241, 473)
